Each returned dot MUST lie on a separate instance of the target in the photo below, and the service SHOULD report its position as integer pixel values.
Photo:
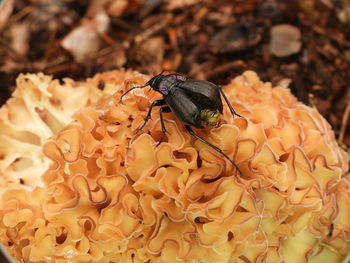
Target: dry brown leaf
(85, 39)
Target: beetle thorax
(210, 117)
(163, 88)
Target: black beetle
(194, 102)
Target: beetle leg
(228, 103)
(148, 117)
(189, 129)
(164, 109)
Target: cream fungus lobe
(78, 184)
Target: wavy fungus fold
(111, 195)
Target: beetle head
(155, 81)
(210, 117)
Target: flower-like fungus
(38, 109)
(111, 195)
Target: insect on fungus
(194, 102)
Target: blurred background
(307, 41)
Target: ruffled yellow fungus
(110, 195)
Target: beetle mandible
(194, 102)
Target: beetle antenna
(137, 87)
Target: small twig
(236, 64)
(107, 39)
(344, 123)
(321, 31)
(60, 68)
(50, 42)
(25, 11)
(105, 51)
(152, 30)
(125, 25)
